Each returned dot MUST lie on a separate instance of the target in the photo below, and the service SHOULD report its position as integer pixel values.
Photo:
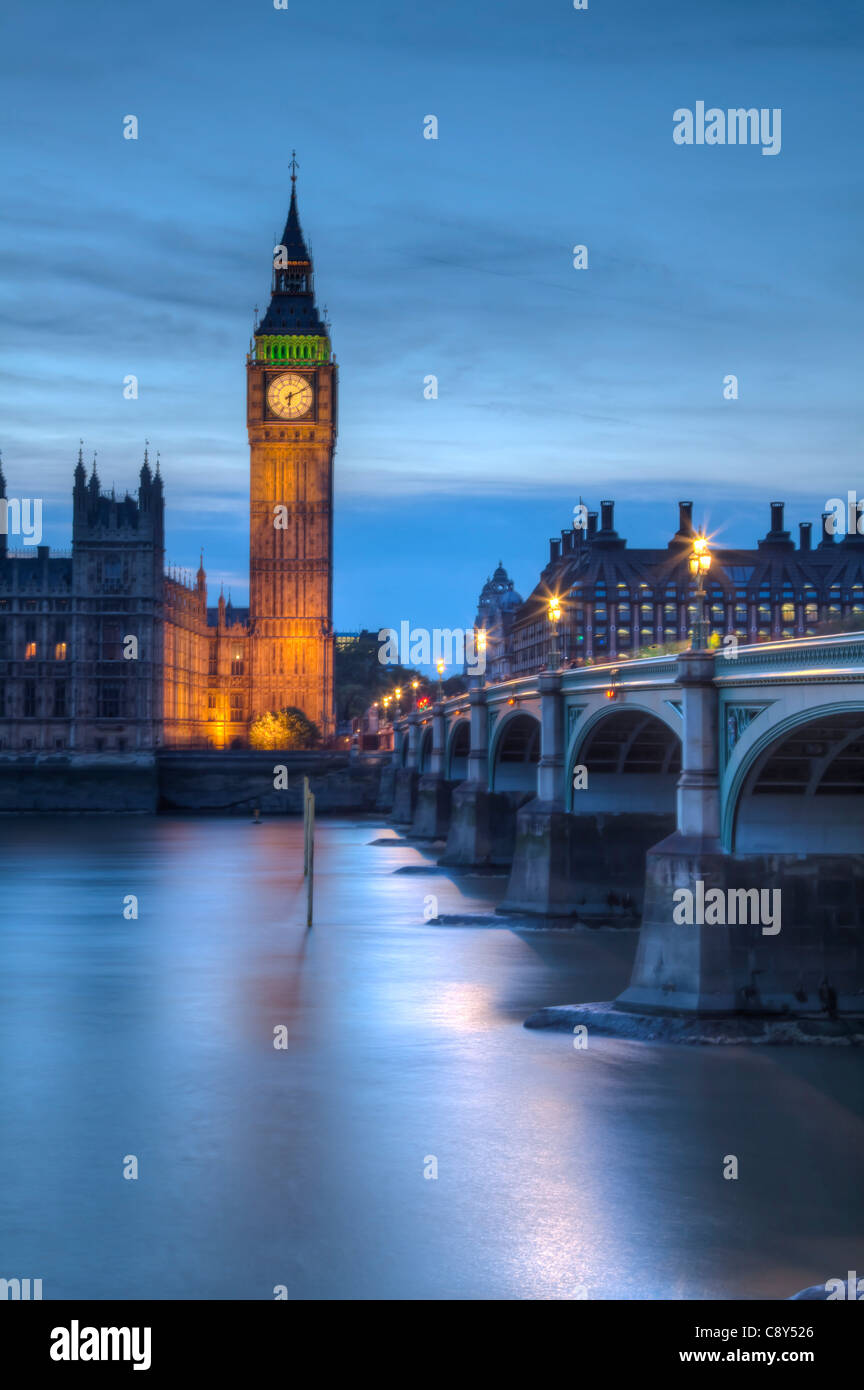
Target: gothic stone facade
(101, 651)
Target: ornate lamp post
(700, 563)
(439, 667)
(553, 613)
(398, 693)
(415, 686)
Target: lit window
(30, 651)
(60, 651)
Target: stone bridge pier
(406, 777)
(483, 821)
(432, 804)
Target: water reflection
(558, 1169)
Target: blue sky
(450, 257)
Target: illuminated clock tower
(291, 417)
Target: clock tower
(291, 418)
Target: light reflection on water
(557, 1168)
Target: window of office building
(29, 702)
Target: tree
(285, 728)
(360, 677)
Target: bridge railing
(842, 653)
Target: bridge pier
(406, 779)
(432, 808)
(387, 786)
(482, 823)
(804, 956)
(546, 847)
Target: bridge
(734, 776)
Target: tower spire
(292, 310)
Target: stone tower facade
(291, 419)
(102, 651)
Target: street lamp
(414, 687)
(480, 645)
(439, 667)
(553, 612)
(398, 693)
(700, 563)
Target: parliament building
(102, 651)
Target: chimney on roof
(804, 530)
(777, 538)
(592, 524)
(554, 551)
(607, 516)
(685, 518)
(827, 532)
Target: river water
(561, 1173)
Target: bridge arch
(800, 787)
(515, 753)
(633, 759)
(458, 748)
(424, 749)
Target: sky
(450, 257)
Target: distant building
(496, 613)
(617, 602)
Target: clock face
(289, 396)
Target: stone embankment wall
(227, 783)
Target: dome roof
(498, 592)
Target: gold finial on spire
(293, 166)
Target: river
(561, 1173)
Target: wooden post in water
(310, 877)
(306, 795)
